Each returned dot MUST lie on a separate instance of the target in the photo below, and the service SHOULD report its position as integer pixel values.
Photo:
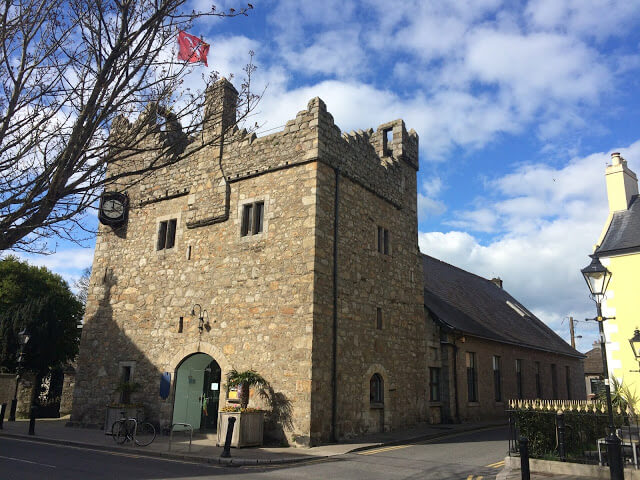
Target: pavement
(204, 450)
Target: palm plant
(244, 381)
(622, 396)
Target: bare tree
(81, 286)
(68, 68)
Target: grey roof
(478, 307)
(623, 234)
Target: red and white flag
(192, 49)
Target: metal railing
(572, 431)
(187, 426)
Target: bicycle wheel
(119, 432)
(145, 434)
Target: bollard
(524, 458)
(12, 410)
(32, 420)
(614, 452)
(226, 452)
(561, 437)
(3, 407)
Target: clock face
(112, 208)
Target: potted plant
(249, 422)
(124, 406)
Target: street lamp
(202, 315)
(635, 343)
(597, 278)
(23, 339)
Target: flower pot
(247, 432)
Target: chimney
(622, 183)
(497, 281)
(221, 99)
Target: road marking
(115, 453)
(385, 449)
(496, 465)
(29, 461)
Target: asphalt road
(466, 456)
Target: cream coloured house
(619, 250)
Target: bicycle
(127, 429)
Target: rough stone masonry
(274, 300)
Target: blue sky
(518, 106)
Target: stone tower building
(301, 246)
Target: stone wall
(68, 384)
(7, 387)
(268, 297)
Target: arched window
(376, 390)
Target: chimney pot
(497, 281)
(616, 158)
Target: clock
(113, 208)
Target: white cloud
(545, 222)
(428, 206)
(594, 18)
(67, 263)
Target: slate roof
(623, 234)
(593, 362)
(478, 307)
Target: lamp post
(635, 343)
(597, 278)
(23, 339)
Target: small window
(126, 382)
(383, 241)
(519, 378)
(567, 373)
(434, 384)
(376, 390)
(538, 381)
(597, 385)
(167, 234)
(252, 219)
(554, 381)
(378, 318)
(472, 377)
(497, 379)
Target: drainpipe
(334, 350)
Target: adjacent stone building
(298, 250)
(493, 348)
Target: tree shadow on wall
(104, 347)
(278, 419)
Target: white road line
(29, 461)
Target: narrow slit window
(378, 318)
(162, 236)
(167, 234)
(384, 241)
(258, 216)
(171, 233)
(376, 390)
(434, 384)
(252, 219)
(387, 140)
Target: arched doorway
(197, 392)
